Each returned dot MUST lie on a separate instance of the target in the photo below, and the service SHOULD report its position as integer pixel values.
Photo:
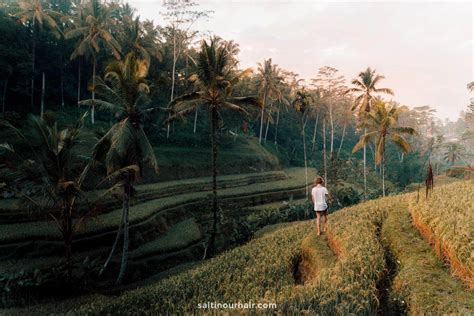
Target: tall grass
(446, 220)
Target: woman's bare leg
(325, 222)
(318, 218)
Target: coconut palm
(364, 86)
(94, 36)
(33, 11)
(269, 79)
(381, 125)
(134, 39)
(302, 104)
(454, 152)
(125, 148)
(213, 81)
(52, 170)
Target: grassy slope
(146, 191)
(254, 272)
(140, 212)
(423, 282)
(446, 220)
(245, 155)
(179, 236)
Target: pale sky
(423, 48)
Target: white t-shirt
(319, 198)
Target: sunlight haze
(424, 49)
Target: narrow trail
(415, 279)
(316, 255)
(423, 283)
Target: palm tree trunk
(67, 235)
(62, 81)
(78, 82)
(42, 95)
(315, 132)
(93, 90)
(261, 120)
(195, 120)
(215, 209)
(4, 96)
(114, 246)
(305, 160)
(365, 168)
(324, 152)
(126, 199)
(173, 74)
(276, 125)
(342, 139)
(268, 124)
(33, 57)
(331, 150)
(383, 175)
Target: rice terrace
(275, 157)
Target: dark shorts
(325, 212)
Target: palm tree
(302, 103)
(454, 152)
(33, 11)
(53, 171)
(381, 125)
(365, 89)
(125, 148)
(94, 36)
(214, 80)
(269, 80)
(135, 40)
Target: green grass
(243, 156)
(347, 264)
(143, 211)
(254, 272)
(250, 272)
(262, 232)
(280, 205)
(423, 283)
(177, 237)
(155, 190)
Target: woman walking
(320, 195)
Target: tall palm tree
(33, 11)
(364, 86)
(269, 79)
(454, 152)
(94, 36)
(134, 39)
(214, 81)
(125, 148)
(302, 103)
(381, 125)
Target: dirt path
(316, 255)
(423, 283)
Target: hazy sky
(424, 49)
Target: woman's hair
(318, 180)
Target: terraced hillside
(372, 259)
(167, 224)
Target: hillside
(373, 258)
